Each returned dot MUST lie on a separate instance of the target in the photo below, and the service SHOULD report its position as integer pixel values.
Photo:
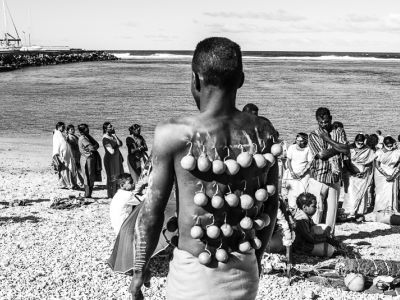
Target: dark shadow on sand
(37, 201)
(99, 187)
(31, 219)
(370, 234)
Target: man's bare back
(225, 187)
(211, 138)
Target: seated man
(224, 196)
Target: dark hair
(388, 140)
(124, 177)
(337, 125)
(219, 61)
(59, 124)
(398, 138)
(70, 126)
(379, 132)
(249, 107)
(303, 135)
(105, 125)
(305, 199)
(359, 138)
(372, 141)
(82, 127)
(322, 111)
(133, 127)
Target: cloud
(357, 18)
(131, 24)
(279, 15)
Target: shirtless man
(219, 251)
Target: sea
(362, 90)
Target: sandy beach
(61, 254)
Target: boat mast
(5, 22)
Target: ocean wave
(323, 57)
(155, 56)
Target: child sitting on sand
(310, 238)
(123, 201)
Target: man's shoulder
(266, 125)
(172, 134)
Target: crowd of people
(229, 190)
(13, 61)
(78, 162)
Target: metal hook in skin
(202, 186)
(229, 152)
(217, 189)
(245, 184)
(255, 145)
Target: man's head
(378, 132)
(60, 126)
(324, 118)
(125, 182)
(251, 109)
(217, 61)
(372, 141)
(307, 202)
(302, 139)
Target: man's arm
(340, 146)
(270, 208)
(151, 216)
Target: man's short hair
(337, 125)
(219, 61)
(249, 107)
(305, 199)
(322, 111)
(59, 124)
(379, 132)
(372, 141)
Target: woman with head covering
(112, 158)
(297, 174)
(360, 176)
(386, 181)
(90, 159)
(137, 148)
(63, 159)
(72, 140)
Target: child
(123, 201)
(310, 238)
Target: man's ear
(241, 80)
(196, 81)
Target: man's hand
(294, 175)
(324, 135)
(389, 178)
(138, 280)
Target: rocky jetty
(15, 60)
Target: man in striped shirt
(326, 144)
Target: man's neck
(216, 101)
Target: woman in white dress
(63, 159)
(386, 182)
(360, 176)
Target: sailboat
(8, 41)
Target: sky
(257, 25)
